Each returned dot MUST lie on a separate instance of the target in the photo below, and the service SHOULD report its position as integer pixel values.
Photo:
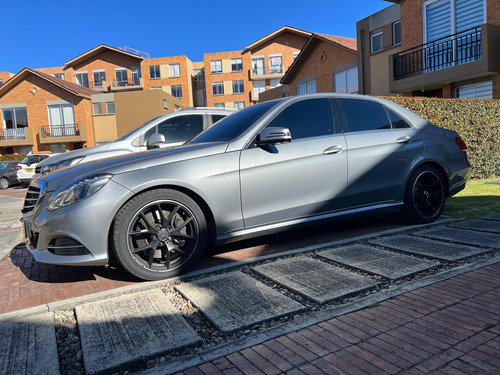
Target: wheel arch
(207, 211)
(433, 163)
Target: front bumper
(81, 228)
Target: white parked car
(26, 168)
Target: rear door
(382, 147)
(300, 179)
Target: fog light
(66, 246)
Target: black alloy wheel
(424, 196)
(158, 234)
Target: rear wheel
(424, 196)
(158, 234)
(4, 183)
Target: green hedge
(12, 157)
(477, 122)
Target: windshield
(136, 129)
(32, 159)
(234, 125)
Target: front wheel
(424, 196)
(4, 183)
(158, 234)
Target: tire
(4, 183)
(424, 197)
(158, 234)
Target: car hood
(130, 162)
(74, 154)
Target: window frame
(394, 33)
(237, 65)
(237, 105)
(152, 69)
(217, 84)
(98, 71)
(107, 108)
(94, 106)
(176, 87)
(61, 76)
(214, 66)
(176, 70)
(374, 34)
(82, 73)
(236, 83)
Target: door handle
(404, 139)
(333, 150)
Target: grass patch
(476, 200)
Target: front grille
(32, 197)
(35, 192)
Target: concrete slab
(467, 237)
(379, 262)
(427, 247)
(319, 281)
(28, 346)
(492, 217)
(235, 300)
(480, 225)
(122, 332)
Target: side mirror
(269, 136)
(155, 140)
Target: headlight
(77, 191)
(65, 163)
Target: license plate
(29, 170)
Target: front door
(300, 179)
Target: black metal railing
(12, 134)
(59, 131)
(442, 53)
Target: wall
(314, 66)
(36, 107)
(379, 67)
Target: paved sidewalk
(452, 327)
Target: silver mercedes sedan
(263, 169)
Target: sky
(41, 33)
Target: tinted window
(33, 159)
(235, 124)
(397, 121)
(216, 118)
(364, 115)
(307, 118)
(178, 128)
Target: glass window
(99, 76)
(110, 107)
(165, 104)
(156, 88)
(275, 65)
(258, 87)
(307, 118)
(274, 82)
(62, 120)
(238, 87)
(236, 65)
(58, 75)
(295, 54)
(397, 121)
(377, 38)
(136, 75)
(216, 118)
(306, 88)
(177, 108)
(176, 91)
(216, 66)
(480, 90)
(97, 108)
(82, 79)
(396, 33)
(239, 105)
(174, 70)
(1, 82)
(178, 128)
(346, 81)
(258, 66)
(364, 115)
(220, 105)
(121, 76)
(154, 71)
(217, 88)
(234, 125)
(199, 77)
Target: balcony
(466, 55)
(16, 137)
(135, 84)
(272, 72)
(63, 133)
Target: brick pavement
(26, 283)
(451, 327)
